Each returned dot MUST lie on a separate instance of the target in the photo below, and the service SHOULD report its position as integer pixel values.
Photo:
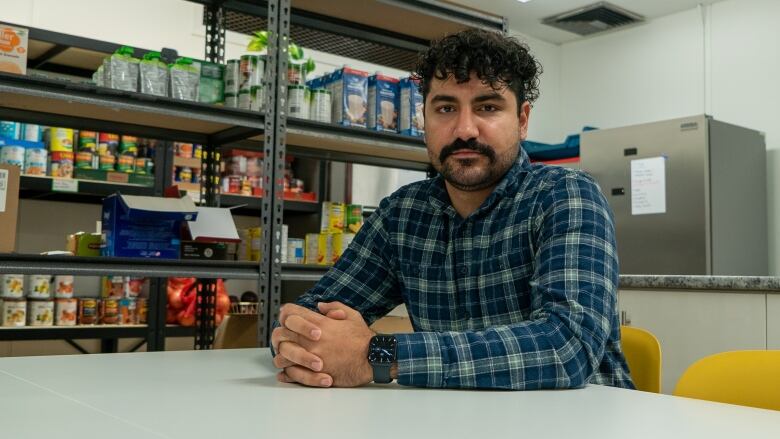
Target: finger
(326, 307)
(336, 314)
(298, 355)
(290, 309)
(307, 377)
(282, 334)
(305, 328)
(280, 362)
(283, 378)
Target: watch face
(382, 349)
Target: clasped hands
(322, 349)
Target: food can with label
(128, 145)
(257, 98)
(11, 130)
(297, 102)
(12, 155)
(354, 218)
(39, 286)
(133, 286)
(340, 243)
(32, 132)
(35, 160)
(88, 141)
(108, 144)
(247, 67)
(107, 162)
(13, 286)
(142, 310)
(60, 139)
(126, 163)
(333, 217)
(88, 311)
(140, 165)
(231, 100)
(320, 108)
(184, 149)
(61, 164)
(127, 311)
(65, 312)
(63, 286)
(296, 251)
(13, 312)
(40, 312)
(85, 159)
(245, 99)
(109, 311)
(312, 248)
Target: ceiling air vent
(595, 18)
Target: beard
(466, 174)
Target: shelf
(85, 106)
(303, 272)
(189, 162)
(89, 191)
(134, 267)
(323, 141)
(253, 204)
(73, 332)
(180, 331)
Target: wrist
(394, 371)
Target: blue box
(383, 100)
(350, 97)
(412, 121)
(146, 227)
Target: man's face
(473, 132)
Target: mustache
(470, 144)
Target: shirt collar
(440, 199)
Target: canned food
(184, 150)
(39, 286)
(32, 132)
(245, 99)
(109, 311)
(13, 286)
(62, 164)
(85, 159)
(35, 161)
(107, 162)
(108, 144)
(140, 165)
(12, 155)
(88, 311)
(63, 286)
(65, 312)
(11, 130)
(60, 139)
(13, 312)
(257, 98)
(128, 145)
(88, 141)
(142, 309)
(295, 251)
(133, 286)
(126, 163)
(251, 72)
(297, 102)
(333, 216)
(127, 311)
(40, 313)
(113, 287)
(232, 78)
(320, 109)
(231, 100)
(296, 74)
(354, 218)
(184, 174)
(197, 151)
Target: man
(508, 270)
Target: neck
(466, 202)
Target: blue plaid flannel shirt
(522, 294)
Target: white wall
(721, 60)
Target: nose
(466, 125)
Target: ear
(522, 119)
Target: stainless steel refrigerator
(689, 195)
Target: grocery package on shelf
(339, 224)
(84, 244)
(242, 172)
(298, 101)
(182, 295)
(245, 76)
(412, 122)
(250, 248)
(13, 49)
(147, 227)
(120, 70)
(154, 75)
(211, 85)
(210, 235)
(349, 89)
(121, 287)
(383, 100)
(185, 79)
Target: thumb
(336, 314)
(328, 307)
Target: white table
(233, 394)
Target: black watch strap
(382, 373)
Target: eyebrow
(476, 100)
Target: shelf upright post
(158, 297)
(206, 299)
(272, 208)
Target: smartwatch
(381, 356)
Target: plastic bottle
(154, 75)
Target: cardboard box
(85, 244)
(210, 251)
(9, 207)
(113, 176)
(147, 227)
(13, 49)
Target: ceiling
(526, 17)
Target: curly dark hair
(500, 61)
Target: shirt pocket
(429, 295)
(503, 287)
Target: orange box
(13, 49)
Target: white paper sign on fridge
(648, 186)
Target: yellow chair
(643, 355)
(750, 378)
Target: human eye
(489, 108)
(445, 109)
